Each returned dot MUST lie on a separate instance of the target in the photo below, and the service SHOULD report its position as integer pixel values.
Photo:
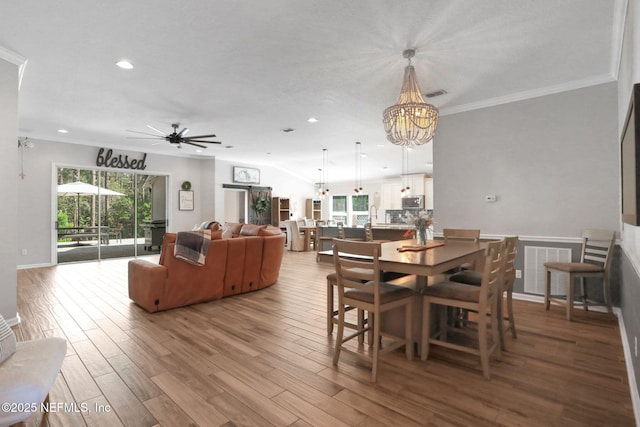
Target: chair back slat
(597, 246)
(368, 232)
(357, 262)
(510, 250)
(492, 273)
(461, 234)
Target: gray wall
(10, 186)
(629, 266)
(551, 161)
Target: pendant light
(357, 190)
(406, 189)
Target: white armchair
(294, 238)
(27, 375)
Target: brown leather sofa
(235, 265)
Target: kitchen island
(390, 232)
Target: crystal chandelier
(410, 121)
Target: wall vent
(534, 273)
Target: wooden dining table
(426, 264)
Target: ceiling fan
(176, 137)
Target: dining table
(427, 263)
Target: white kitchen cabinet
(391, 196)
(428, 193)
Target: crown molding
(535, 93)
(617, 37)
(16, 59)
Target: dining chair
(357, 270)
(368, 232)
(461, 234)
(482, 299)
(320, 239)
(294, 238)
(474, 278)
(341, 235)
(595, 259)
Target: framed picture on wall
(244, 175)
(185, 200)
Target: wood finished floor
(264, 358)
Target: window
(350, 211)
(360, 209)
(339, 209)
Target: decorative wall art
(185, 200)
(246, 175)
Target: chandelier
(410, 121)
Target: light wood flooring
(264, 358)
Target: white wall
(281, 183)
(551, 161)
(11, 185)
(37, 192)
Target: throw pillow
(227, 231)
(7, 340)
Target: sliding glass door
(102, 214)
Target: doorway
(235, 205)
(104, 214)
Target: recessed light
(63, 131)
(380, 145)
(312, 120)
(363, 154)
(198, 151)
(124, 64)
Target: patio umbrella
(79, 188)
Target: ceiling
(247, 69)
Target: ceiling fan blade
(183, 132)
(152, 128)
(199, 140)
(143, 133)
(191, 143)
(157, 143)
(201, 136)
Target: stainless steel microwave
(413, 202)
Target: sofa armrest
(147, 282)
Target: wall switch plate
(518, 274)
(24, 252)
(490, 199)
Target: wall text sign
(108, 159)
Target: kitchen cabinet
(428, 193)
(391, 196)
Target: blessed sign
(108, 159)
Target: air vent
(287, 130)
(436, 93)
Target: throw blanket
(192, 246)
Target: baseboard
(27, 266)
(631, 376)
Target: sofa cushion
(7, 340)
(235, 228)
(251, 229)
(269, 230)
(216, 234)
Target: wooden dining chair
(595, 259)
(461, 234)
(358, 279)
(474, 278)
(320, 239)
(482, 299)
